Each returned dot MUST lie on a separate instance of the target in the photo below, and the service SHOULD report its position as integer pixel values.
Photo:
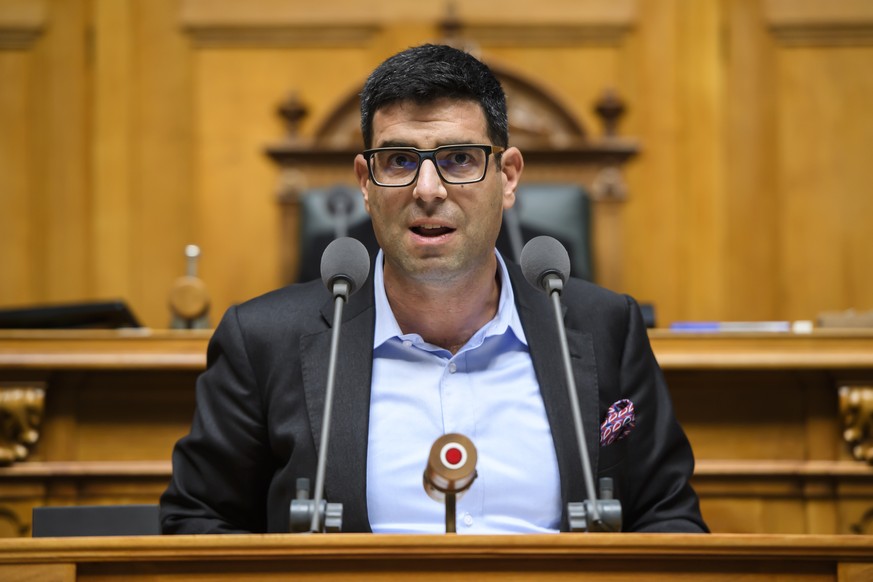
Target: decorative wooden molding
(822, 349)
(540, 123)
(548, 35)
(138, 349)
(21, 23)
(835, 23)
(824, 34)
(44, 350)
(21, 409)
(856, 411)
(214, 23)
(87, 469)
(269, 35)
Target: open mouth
(427, 230)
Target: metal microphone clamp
(330, 515)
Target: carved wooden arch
(556, 148)
(537, 118)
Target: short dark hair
(429, 72)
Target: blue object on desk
(730, 326)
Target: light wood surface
(104, 349)
(350, 556)
(186, 349)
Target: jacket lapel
(538, 319)
(346, 473)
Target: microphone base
(330, 516)
(581, 515)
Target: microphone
(345, 266)
(450, 471)
(545, 263)
(546, 266)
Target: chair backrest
(96, 520)
(562, 211)
(558, 210)
(318, 224)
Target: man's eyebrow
(395, 144)
(404, 144)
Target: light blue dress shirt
(488, 392)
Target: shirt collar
(505, 320)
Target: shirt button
(407, 343)
(452, 368)
(468, 520)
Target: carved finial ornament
(21, 411)
(856, 411)
(610, 108)
(293, 111)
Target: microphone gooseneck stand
(539, 258)
(341, 291)
(345, 265)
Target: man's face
(429, 230)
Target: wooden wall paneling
(824, 55)
(577, 75)
(238, 92)
(59, 432)
(143, 212)
(114, 146)
(702, 206)
(146, 415)
(770, 406)
(752, 291)
(21, 24)
(748, 201)
(254, 14)
(823, 439)
(60, 160)
(17, 272)
(164, 219)
(652, 226)
(824, 165)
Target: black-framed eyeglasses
(456, 164)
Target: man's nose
(429, 186)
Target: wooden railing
(762, 413)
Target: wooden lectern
(625, 557)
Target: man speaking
(443, 337)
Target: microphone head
(543, 256)
(345, 258)
(451, 467)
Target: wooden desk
(760, 410)
(379, 557)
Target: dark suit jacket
(260, 401)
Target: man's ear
(363, 176)
(511, 166)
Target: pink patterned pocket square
(620, 420)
